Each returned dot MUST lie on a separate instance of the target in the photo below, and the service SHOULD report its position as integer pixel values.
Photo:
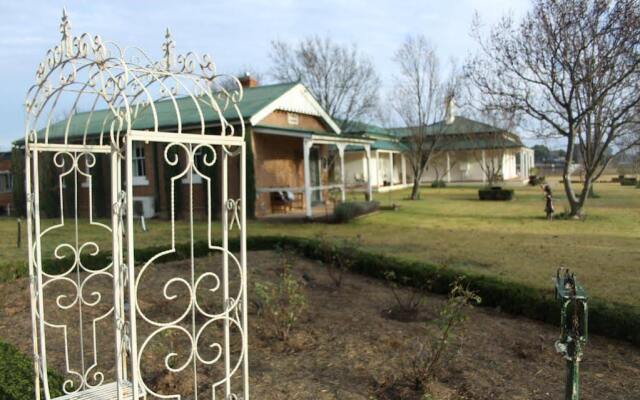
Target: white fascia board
(281, 133)
(337, 139)
(316, 139)
(297, 99)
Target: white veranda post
(118, 323)
(343, 187)
(307, 144)
(367, 152)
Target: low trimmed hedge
(535, 180)
(348, 210)
(629, 181)
(438, 184)
(495, 194)
(16, 375)
(610, 319)
(614, 320)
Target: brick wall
(6, 198)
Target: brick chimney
(247, 81)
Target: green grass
(450, 227)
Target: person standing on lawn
(548, 208)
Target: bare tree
(489, 149)
(441, 171)
(418, 98)
(572, 65)
(343, 80)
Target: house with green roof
(301, 157)
(296, 148)
(465, 151)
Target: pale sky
(236, 33)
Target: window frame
(6, 185)
(138, 159)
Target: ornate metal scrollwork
(93, 97)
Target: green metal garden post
(574, 331)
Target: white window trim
(142, 179)
(139, 181)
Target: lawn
(450, 227)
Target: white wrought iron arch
(111, 98)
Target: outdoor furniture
(282, 200)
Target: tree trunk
(574, 203)
(415, 190)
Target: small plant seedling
(337, 256)
(408, 298)
(282, 303)
(432, 353)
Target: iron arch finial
(167, 49)
(65, 30)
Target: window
(292, 118)
(138, 165)
(138, 160)
(6, 182)
(198, 160)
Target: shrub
(337, 263)
(346, 211)
(16, 375)
(629, 181)
(407, 300)
(432, 354)
(535, 180)
(498, 194)
(438, 184)
(281, 304)
(615, 320)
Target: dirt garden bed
(346, 347)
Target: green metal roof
(459, 126)
(390, 145)
(483, 143)
(391, 138)
(309, 131)
(253, 100)
(364, 128)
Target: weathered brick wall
(6, 198)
